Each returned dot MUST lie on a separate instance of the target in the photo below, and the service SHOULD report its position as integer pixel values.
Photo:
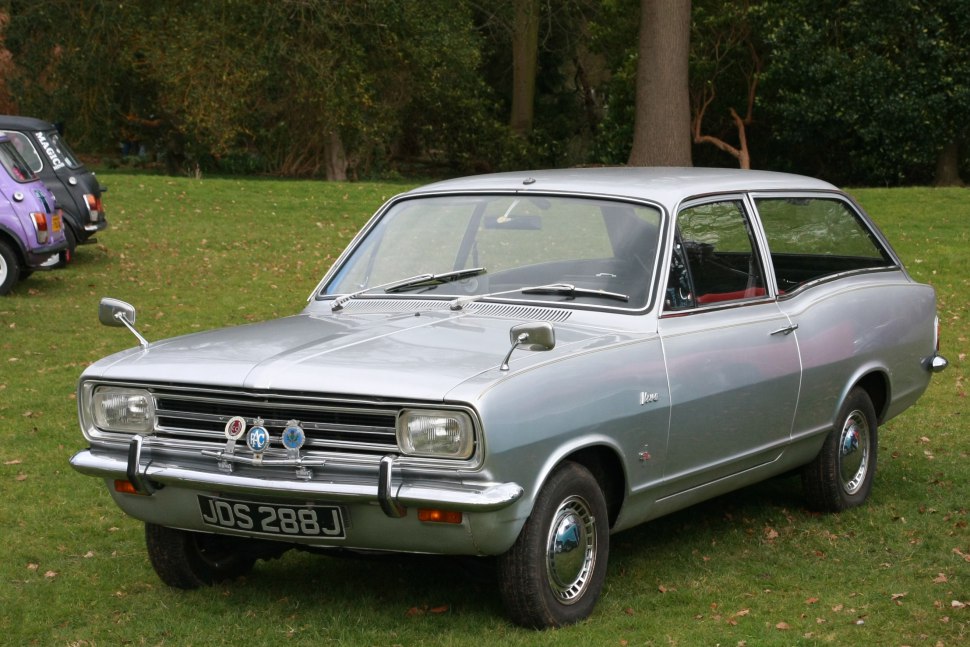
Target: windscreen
(510, 246)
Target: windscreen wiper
(572, 291)
(432, 280)
(551, 288)
(411, 281)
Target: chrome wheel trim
(4, 269)
(854, 452)
(571, 550)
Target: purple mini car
(31, 225)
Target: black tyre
(68, 254)
(553, 574)
(10, 268)
(188, 560)
(841, 475)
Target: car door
(732, 360)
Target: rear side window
(14, 163)
(815, 238)
(26, 149)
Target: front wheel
(841, 475)
(553, 574)
(188, 560)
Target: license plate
(320, 521)
(56, 226)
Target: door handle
(786, 330)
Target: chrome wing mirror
(116, 313)
(533, 336)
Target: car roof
(667, 185)
(16, 122)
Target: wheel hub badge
(851, 442)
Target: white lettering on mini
(55, 159)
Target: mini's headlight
(433, 433)
(123, 409)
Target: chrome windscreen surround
(194, 419)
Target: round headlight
(123, 409)
(438, 434)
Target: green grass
(751, 568)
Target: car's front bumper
(380, 506)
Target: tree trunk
(525, 52)
(948, 166)
(662, 127)
(336, 158)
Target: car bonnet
(419, 355)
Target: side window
(26, 149)
(715, 258)
(811, 238)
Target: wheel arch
(14, 242)
(876, 385)
(606, 467)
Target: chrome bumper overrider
(393, 497)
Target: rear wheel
(68, 254)
(553, 574)
(188, 560)
(9, 268)
(841, 475)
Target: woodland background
(859, 92)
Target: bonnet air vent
(519, 312)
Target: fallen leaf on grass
(896, 597)
(15, 461)
(940, 579)
(965, 556)
(957, 604)
(50, 574)
(783, 626)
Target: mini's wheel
(10, 269)
(553, 574)
(841, 475)
(188, 560)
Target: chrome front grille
(330, 425)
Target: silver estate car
(519, 365)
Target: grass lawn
(751, 568)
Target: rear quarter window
(815, 238)
(26, 149)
